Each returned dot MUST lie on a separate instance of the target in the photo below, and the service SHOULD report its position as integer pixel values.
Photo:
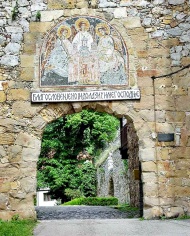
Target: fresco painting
(83, 51)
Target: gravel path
(80, 212)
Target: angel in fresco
(49, 46)
(56, 68)
(83, 37)
(111, 63)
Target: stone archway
(53, 111)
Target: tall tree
(63, 140)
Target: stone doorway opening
(134, 194)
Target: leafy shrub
(73, 193)
(93, 201)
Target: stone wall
(157, 37)
(112, 176)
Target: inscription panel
(85, 96)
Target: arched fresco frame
(83, 51)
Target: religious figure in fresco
(82, 25)
(58, 60)
(84, 67)
(83, 51)
(111, 63)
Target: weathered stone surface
(106, 3)
(31, 154)
(149, 177)
(2, 40)
(39, 6)
(146, 102)
(132, 22)
(59, 4)
(40, 27)
(27, 60)
(27, 74)
(15, 153)
(4, 187)
(51, 15)
(28, 185)
(16, 38)
(18, 94)
(7, 139)
(53, 112)
(175, 212)
(29, 48)
(149, 166)
(14, 29)
(9, 60)
(23, 3)
(176, 2)
(120, 12)
(165, 103)
(28, 141)
(2, 152)
(3, 201)
(2, 96)
(12, 48)
(24, 109)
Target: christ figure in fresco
(83, 37)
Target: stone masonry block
(2, 96)
(27, 60)
(40, 27)
(7, 138)
(18, 94)
(147, 154)
(51, 15)
(149, 166)
(27, 74)
(31, 154)
(61, 4)
(29, 141)
(149, 177)
(132, 22)
(29, 48)
(24, 109)
(165, 103)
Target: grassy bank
(17, 227)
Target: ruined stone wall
(113, 173)
(157, 37)
(133, 165)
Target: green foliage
(93, 201)
(17, 227)
(15, 12)
(38, 16)
(73, 193)
(15, 217)
(183, 217)
(130, 210)
(63, 139)
(125, 162)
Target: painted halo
(102, 26)
(80, 21)
(61, 29)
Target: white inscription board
(82, 96)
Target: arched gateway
(86, 62)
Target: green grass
(131, 211)
(93, 201)
(17, 227)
